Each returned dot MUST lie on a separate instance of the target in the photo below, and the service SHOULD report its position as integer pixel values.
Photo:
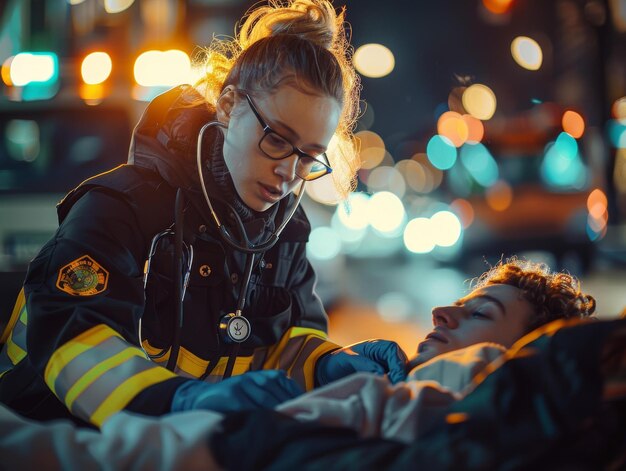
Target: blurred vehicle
(46, 149)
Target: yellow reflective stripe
(309, 364)
(194, 366)
(15, 353)
(20, 305)
(297, 331)
(98, 370)
(242, 364)
(70, 350)
(120, 397)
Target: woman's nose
(286, 168)
(445, 317)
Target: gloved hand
(375, 356)
(250, 391)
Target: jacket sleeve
(84, 298)
(304, 343)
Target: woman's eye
(480, 315)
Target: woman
(193, 254)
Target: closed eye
(480, 315)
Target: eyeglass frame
(295, 150)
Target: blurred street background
(489, 128)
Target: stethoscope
(234, 328)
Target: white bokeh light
(418, 235)
(394, 307)
(386, 212)
(446, 228)
(354, 214)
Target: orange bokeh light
(475, 128)
(573, 124)
(597, 203)
(499, 196)
(497, 6)
(464, 211)
(452, 126)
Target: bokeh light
(418, 235)
(497, 6)
(441, 152)
(117, 6)
(354, 212)
(28, 67)
(573, 124)
(394, 306)
(446, 228)
(597, 203)
(323, 190)
(562, 165)
(96, 68)
(475, 129)
(374, 60)
(619, 109)
(617, 133)
(527, 52)
(386, 212)
(6, 71)
(371, 149)
(480, 164)
(324, 244)
(464, 210)
(499, 196)
(386, 179)
(479, 101)
(162, 68)
(451, 125)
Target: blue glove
(250, 391)
(375, 356)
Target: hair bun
(313, 20)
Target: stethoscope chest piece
(235, 328)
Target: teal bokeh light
(324, 243)
(481, 165)
(617, 134)
(562, 166)
(441, 152)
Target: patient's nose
(444, 316)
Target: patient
(507, 302)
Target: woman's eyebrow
(295, 136)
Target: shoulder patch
(83, 277)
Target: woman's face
(494, 313)
(307, 121)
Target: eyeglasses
(276, 147)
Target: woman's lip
(268, 194)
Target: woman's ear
(225, 104)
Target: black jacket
(76, 344)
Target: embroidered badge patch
(83, 277)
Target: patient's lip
(438, 335)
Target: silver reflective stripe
(79, 366)
(97, 392)
(18, 336)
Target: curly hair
(300, 42)
(553, 295)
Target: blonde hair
(302, 42)
(553, 295)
